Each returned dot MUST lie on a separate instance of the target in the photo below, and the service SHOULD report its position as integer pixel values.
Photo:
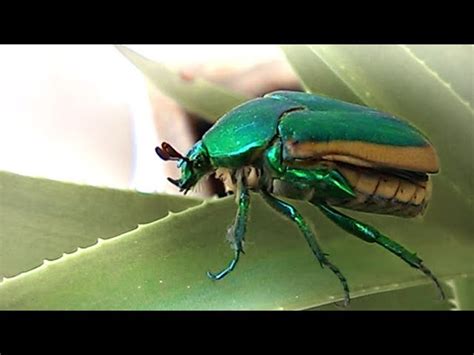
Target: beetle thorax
(250, 175)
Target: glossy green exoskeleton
(325, 151)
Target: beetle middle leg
(290, 212)
(371, 235)
(236, 232)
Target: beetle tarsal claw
(212, 276)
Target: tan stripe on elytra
(421, 159)
(349, 160)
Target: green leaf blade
(393, 79)
(453, 63)
(316, 76)
(413, 298)
(42, 219)
(162, 265)
(198, 96)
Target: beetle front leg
(371, 235)
(236, 232)
(290, 212)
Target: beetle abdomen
(251, 177)
(378, 192)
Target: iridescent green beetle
(325, 151)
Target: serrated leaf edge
(438, 78)
(398, 286)
(100, 242)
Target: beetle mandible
(325, 151)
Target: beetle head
(193, 166)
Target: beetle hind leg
(371, 235)
(290, 212)
(236, 232)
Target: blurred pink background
(82, 113)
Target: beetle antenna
(172, 153)
(162, 154)
(167, 152)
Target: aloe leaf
(42, 219)
(162, 265)
(453, 63)
(395, 80)
(405, 299)
(199, 96)
(316, 76)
